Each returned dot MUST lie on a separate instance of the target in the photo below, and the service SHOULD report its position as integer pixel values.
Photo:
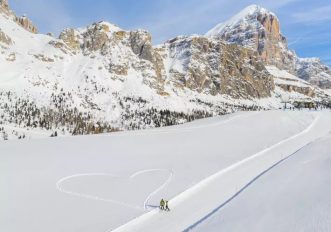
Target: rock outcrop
(71, 38)
(27, 24)
(23, 21)
(4, 4)
(141, 44)
(213, 67)
(122, 50)
(5, 38)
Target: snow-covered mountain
(314, 71)
(103, 78)
(259, 29)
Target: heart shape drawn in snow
(131, 191)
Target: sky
(305, 23)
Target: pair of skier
(164, 205)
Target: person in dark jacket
(167, 206)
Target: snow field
(98, 191)
(199, 201)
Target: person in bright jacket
(162, 203)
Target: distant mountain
(259, 29)
(102, 78)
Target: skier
(167, 206)
(162, 204)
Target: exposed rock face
(5, 38)
(141, 44)
(122, 51)
(95, 37)
(213, 67)
(4, 4)
(315, 72)
(71, 38)
(27, 24)
(258, 29)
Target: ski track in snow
(186, 194)
(261, 174)
(91, 197)
(244, 188)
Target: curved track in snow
(91, 197)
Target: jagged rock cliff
(27, 24)
(213, 67)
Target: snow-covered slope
(293, 196)
(98, 183)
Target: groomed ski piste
(206, 169)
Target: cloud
(317, 15)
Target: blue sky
(306, 23)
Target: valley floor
(114, 182)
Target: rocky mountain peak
(259, 29)
(252, 17)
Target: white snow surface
(293, 196)
(115, 181)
